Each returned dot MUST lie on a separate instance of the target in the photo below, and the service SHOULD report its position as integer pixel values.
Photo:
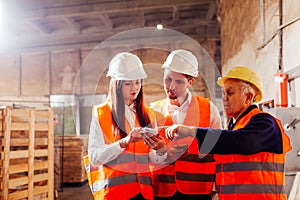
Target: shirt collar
(233, 122)
(131, 107)
(188, 100)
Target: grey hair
(248, 88)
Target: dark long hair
(118, 107)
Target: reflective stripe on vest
(129, 157)
(193, 175)
(250, 166)
(256, 176)
(252, 189)
(119, 180)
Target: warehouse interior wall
(58, 77)
(257, 35)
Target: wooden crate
(26, 162)
(74, 149)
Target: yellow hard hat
(126, 66)
(247, 75)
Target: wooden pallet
(26, 142)
(74, 149)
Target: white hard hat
(182, 61)
(126, 66)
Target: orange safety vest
(189, 174)
(257, 176)
(125, 176)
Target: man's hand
(177, 131)
(174, 152)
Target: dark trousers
(180, 196)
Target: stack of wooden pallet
(26, 161)
(74, 149)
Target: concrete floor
(75, 193)
(84, 193)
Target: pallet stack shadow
(26, 159)
(73, 172)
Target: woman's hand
(134, 136)
(155, 142)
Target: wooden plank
(41, 127)
(13, 183)
(41, 152)
(17, 195)
(40, 177)
(18, 154)
(24, 167)
(50, 188)
(25, 141)
(38, 165)
(6, 154)
(40, 190)
(18, 168)
(15, 126)
(2, 142)
(42, 116)
(21, 113)
(24, 154)
(31, 155)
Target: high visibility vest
(257, 176)
(189, 174)
(125, 176)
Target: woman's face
(234, 101)
(130, 90)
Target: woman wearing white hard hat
(119, 157)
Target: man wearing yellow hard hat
(250, 154)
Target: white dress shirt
(178, 113)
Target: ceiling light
(159, 26)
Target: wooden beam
(211, 11)
(41, 28)
(73, 23)
(106, 20)
(102, 8)
(143, 20)
(175, 14)
(79, 38)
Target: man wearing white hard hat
(186, 176)
(118, 161)
(250, 154)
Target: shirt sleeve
(261, 134)
(215, 118)
(157, 159)
(99, 152)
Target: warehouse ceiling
(46, 23)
